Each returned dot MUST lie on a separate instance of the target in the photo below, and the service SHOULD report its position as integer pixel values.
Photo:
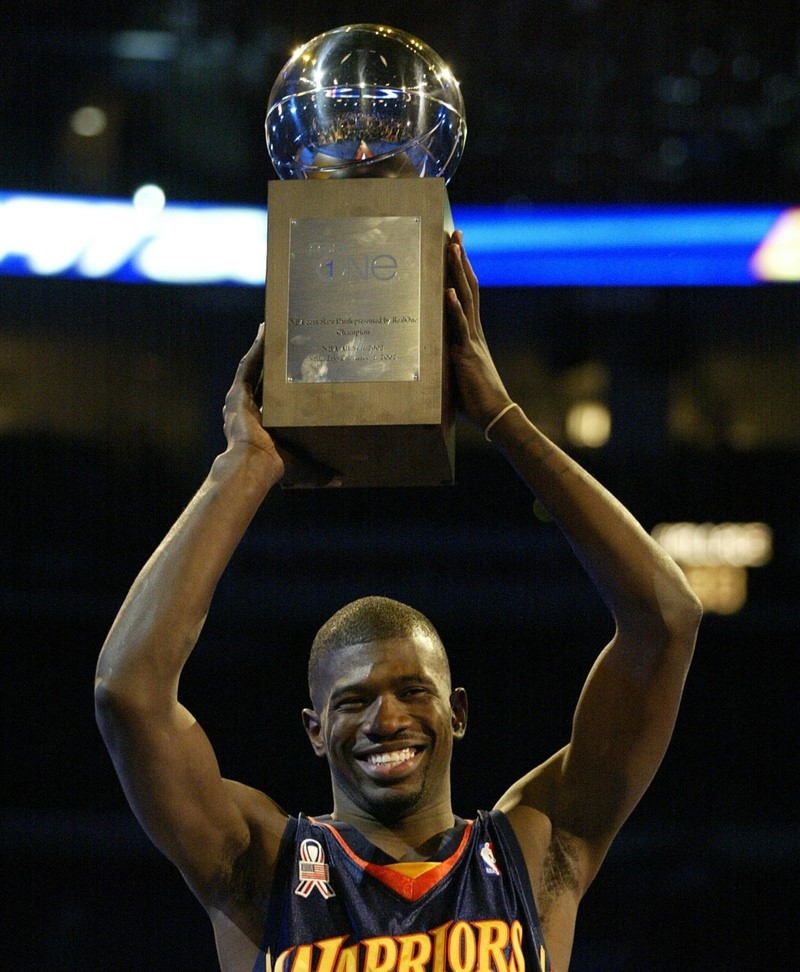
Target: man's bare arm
(164, 759)
(627, 709)
(626, 712)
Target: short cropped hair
(369, 619)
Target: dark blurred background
(110, 399)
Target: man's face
(385, 719)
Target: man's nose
(385, 716)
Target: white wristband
(497, 418)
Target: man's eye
(349, 703)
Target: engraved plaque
(354, 299)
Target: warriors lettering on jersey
(461, 946)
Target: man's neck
(413, 838)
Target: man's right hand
(243, 425)
(241, 414)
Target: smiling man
(384, 714)
(392, 880)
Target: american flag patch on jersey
(313, 872)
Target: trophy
(365, 127)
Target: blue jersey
(339, 904)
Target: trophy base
(356, 367)
(369, 455)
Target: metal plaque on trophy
(365, 126)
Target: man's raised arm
(626, 712)
(164, 760)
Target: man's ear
(313, 726)
(458, 708)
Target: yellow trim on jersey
(412, 869)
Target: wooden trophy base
(356, 369)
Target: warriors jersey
(339, 904)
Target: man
(283, 893)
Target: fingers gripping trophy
(365, 127)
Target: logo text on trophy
(354, 299)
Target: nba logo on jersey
(313, 871)
(489, 862)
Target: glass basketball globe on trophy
(365, 100)
(365, 126)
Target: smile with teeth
(393, 758)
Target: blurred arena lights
(89, 121)
(150, 198)
(778, 256)
(150, 241)
(715, 558)
(588, 424)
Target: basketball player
(391, 880)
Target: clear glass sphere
(365, 100)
